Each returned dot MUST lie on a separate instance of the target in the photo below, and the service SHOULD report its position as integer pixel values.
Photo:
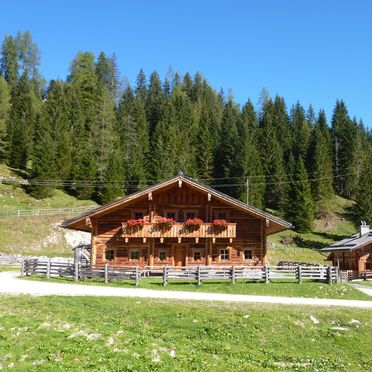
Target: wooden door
(180, 251)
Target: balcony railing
(179, 230)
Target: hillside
(41, 235)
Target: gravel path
(11, 285)
(364, 289)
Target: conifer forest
(99, 138)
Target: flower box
(164, 223)
(135, 224)
(193, 224)
(220, 224)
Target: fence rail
(52, 268)
(44, 212)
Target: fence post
(165, 276)
(138, 276)
(48, 268)
(329, 275)
(76, 271)
(198, 276)
(338, 274)
(365, 274)
(233, 274)
(299, 274)
(106, 273)
(23, 267)
(266, 268)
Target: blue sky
(311, 51)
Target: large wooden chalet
(179, 222)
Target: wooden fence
(52, 268)
(328, 274)
(44, 212)
(67, 268)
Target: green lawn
(70, 333)
(274, 288)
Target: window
(248, 254)
(171, 215)
(190, 214)
(162, 256)
(134, 254)
(224, 254)
(109, 254)
(197, 256)
(138, 215)
(221, 215)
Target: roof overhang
(82, 222)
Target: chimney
(364, 228)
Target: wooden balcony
(179, 230)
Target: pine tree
(83, 163)
(228, 151)
(103, 137)
(344, 144)
(363, 206)
(21, 124)
(44, 167)
(272, 160)
(154, 101)
(141, 86)
(248, 159)
(301, 131)
(9, 61)
(4, 117)
(300, 210)
(321, 160)
(282, 126)
(134, 139)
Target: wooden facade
(243, 242)
(358, 260)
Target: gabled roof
(348, 244)
(78, 223)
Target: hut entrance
(180, 254)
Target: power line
(126, 186)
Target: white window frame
(226, 251)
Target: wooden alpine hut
(178, 222)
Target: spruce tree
(43, 165)
(344, 135)
(282, 126)
(141, 86)
(272, 160)
(21, 124)
(4, 117)
(108, 75)
(227, 156)
(321, 163)
(300, 210)
(363, 205)
(9, 61)
(301, 131)
(154, 102)
(248, 159)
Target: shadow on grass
(306, 243)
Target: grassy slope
(332, 226)
(275, 288)
(139, 334)
(27, 235)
